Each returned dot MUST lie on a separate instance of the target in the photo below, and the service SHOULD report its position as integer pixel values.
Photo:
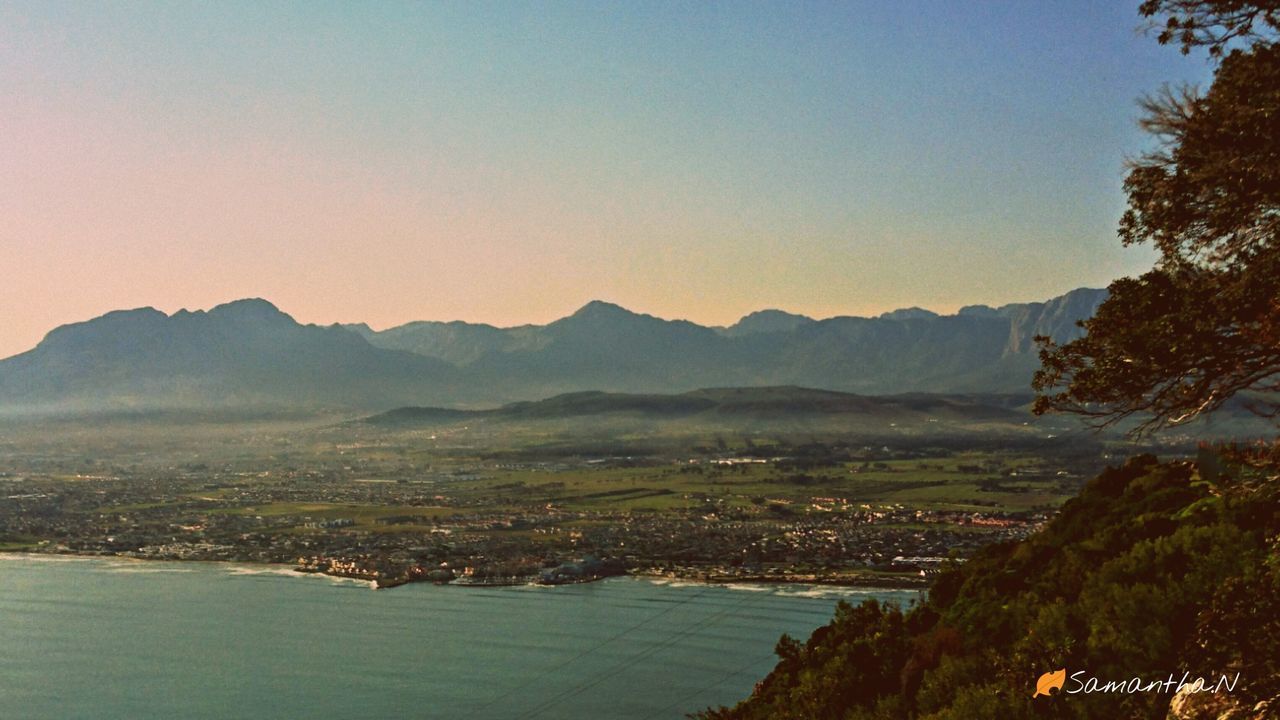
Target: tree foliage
(1153, 569)
(1204, 324)
(1212, 24)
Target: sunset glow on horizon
(507, 163)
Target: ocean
(107, 639)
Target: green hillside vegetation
(1155, 568)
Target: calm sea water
(107, 639)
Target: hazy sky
(506, 162)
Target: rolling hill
(764, 409)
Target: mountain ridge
(249, 352)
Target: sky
(509, 162)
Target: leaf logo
(1050, 681)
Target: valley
(849, 490)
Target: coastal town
(872, 516)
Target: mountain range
(249, 353)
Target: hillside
(1154, 569)
(744, 408)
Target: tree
(1212, 24)
(1203, 326)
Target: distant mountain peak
(361, 329)
(251, 309)
(911, 313)
(603, 310)
(147, 312)
(767, 321)
(978, 311)
(773, 315)
(247, 306)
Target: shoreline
(36, 555)
(852, 581)
(691, 577)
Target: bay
(104, 639)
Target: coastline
(854, 580)
(686, 575)
(71, 556)
(501, 637)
